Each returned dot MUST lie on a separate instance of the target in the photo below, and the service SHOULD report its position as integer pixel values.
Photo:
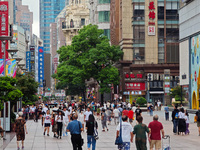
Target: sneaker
(60, 137)
(44, 133)
(22, 147)
(18, 148)
(103, 130)
(47, 134)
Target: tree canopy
(89, 56)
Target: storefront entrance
(155, 97)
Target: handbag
(96, 137)
(118, 140)
(82, 140)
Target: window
(107, 33)
(138, 15)
(104, 1)
(104, 16)
(139, 34)
(161, 12)
(82, 21)
(139, 53)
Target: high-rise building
(24, 17)
(100, 15)
(49, 9)
(148, 34)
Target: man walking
(140, 131)
(75, 128)
(116, 113)
(138, 112)
(127, 134)
(166, 113)
(86, 114)
(175, 119)
(154, 136)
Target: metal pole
(181, 94)
(4, 108)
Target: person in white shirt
(116, 115)
(187, 123)
(86, 114)
(70, 109)
(81, 119)
(59, 120)
(66, 120)
(47, 122)
(44, 110)
(127, 133)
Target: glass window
(104, 16)
(161, 12)
(104, 1)
(107, 33)
(82, 21)
(138, 14)
(139, 34)
(139, 53)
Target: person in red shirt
(130, 115)
(125, 112)
(154, 135)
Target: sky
(34, 7)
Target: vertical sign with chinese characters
(28, 61)
(40, 65)
(4, 27)
(152, 16)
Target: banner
(40, 65)
(4, 26)
(28, 61)
(11, 67)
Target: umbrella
(59, 110)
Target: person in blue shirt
(166, 112)
(75, 128)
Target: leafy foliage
(89, 56)
(141, 101)
(176, 93)
(28, 86)
(9, 90)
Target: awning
(156, 92)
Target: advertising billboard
(28, 60)
(40, 65)
(4, 26)
(11, 67)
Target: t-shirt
(90, 127)
(140, 132)
(81, 118)
(130, 114)
(74, 127)
(109, 112)
(104, 117)
(45, 110)
(126, 131)
(138, 111)
(125, 113)
(116, 112)
(66, 118)
(47, 118)
(166, 109)
(155, 127)
(87, 113)
(181, 115)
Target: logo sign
(151, 30)
(41, 65)
(28, 60)
(4, 26)
(140, 86)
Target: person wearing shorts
(154, 135)
(47, 122)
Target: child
(47, 122)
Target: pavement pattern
(35, 140)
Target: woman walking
(91, 124)
(187, 123)
(20, 128)
(182, 123)
(47, 122)
(59, 120)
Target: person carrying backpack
(175, 119)
(198, 119)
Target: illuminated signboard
(152, 16)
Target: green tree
(141, 101)
(89, 56)
(176, 93)
(28, 86)
(9, 91)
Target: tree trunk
(102, 99)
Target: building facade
(77, 15)
(49, 10)
(24, 17)
(100, 15)
(148, 34)
(189, 50)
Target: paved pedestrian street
(36, 141)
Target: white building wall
(184, 62)
(189, 19)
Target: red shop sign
(140, 86)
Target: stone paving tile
(36, 141)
